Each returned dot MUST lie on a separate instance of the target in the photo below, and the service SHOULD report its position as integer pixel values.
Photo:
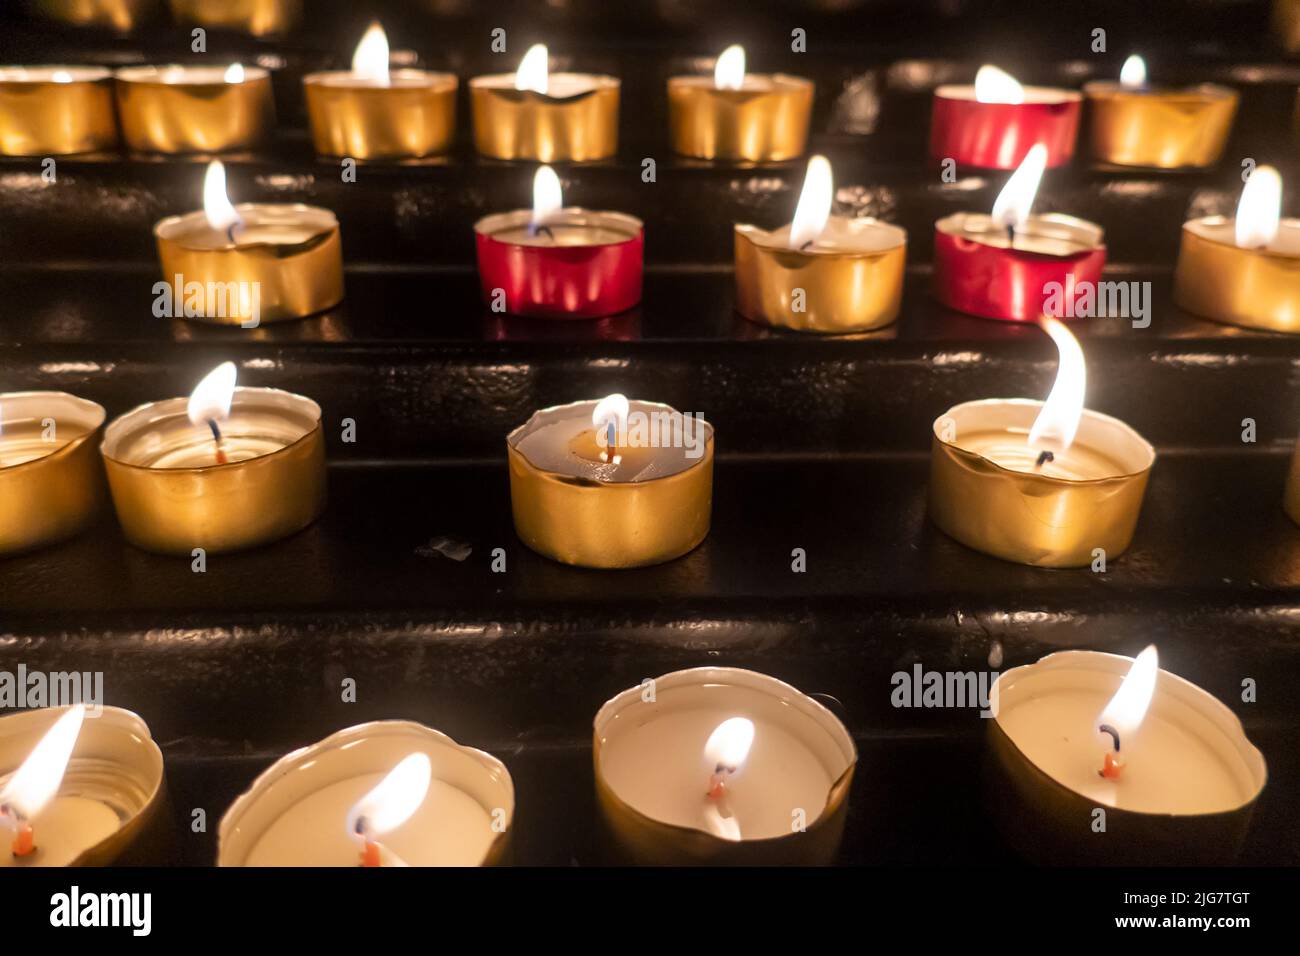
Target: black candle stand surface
(822, 442)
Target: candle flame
(234, 73)
(1127, 709)
(729, 744)
(729, 71)
(1134, 72)
(393, 800)
(370, 61)
(1259, 211)
(1058, 420)
(61, 76)
(533, 72)
(548, 198)
(814, 209)
(34, 784)
(217, 208)
(997, 86)
(1012, 207)
(211, 398)
(610, 410)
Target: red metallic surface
(997, 135)
(562, 282)
(1007, 284)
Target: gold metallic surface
(524, 125)
(119, 15)
(115, 761)
(53, 497)
(1286, 24)
(623, 524)
(52, 119)
(740, 125)
(1160, 129)
(843, 292)
(1291, 498)
(354, 751)
(395, 122)
(160, 117)
(256, 17)
(636, 838)
(1254, 288)
(293, 279)
(226, 507)
(1032, 519)
(1038, 816)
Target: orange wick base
(221, 457)
(24, 841)
(1112, 766)
(370, 855)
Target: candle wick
(1043, 459)
(807, 245)
(537, 230)
(1011, 236)
(216, 437)
(1112, 732)
(1112, 765)
(230, 232)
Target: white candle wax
(563, 440)
(1011, 449)
(179, 75)
(660, 769)
(260, 224)
(1224, 230)
(843, 234)
(1183, 758)
(559, 85)
(450, 828)
(1032, 94)
(53, 74)
(24, 441)
(63, 830)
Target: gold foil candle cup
(1256, 284)
(651, 506)
(119, 15)
(55, 110)
(194, 109)
(296, 812)
(372, 112)
(258, 18)
(820, 273)
(172, 495)
(738, 116)
(986, 492)
(51, 481)
(849, 280)
(782, 800)
(574, 120)
(111, 804)
(413, 116)
(1185, 795)
(1159, 128)
(285, 261)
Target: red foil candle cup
(559, 263)
(993, 123)
(1012, 265)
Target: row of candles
(374, 112)
(707, 765)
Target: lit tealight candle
(259, 18)
(820, 273)
(226, 468)
(374, 112)
(1013, 265)
(721, 765)
(1050, 484)
(250, 263)
(52, 110)
(993, 123)
(1136, 124)
(84, 790)
(1167, 763)
(1243, 270)
(559, 262)
(389, 793)
(538, 115)
(735, 115)
(611, 484)
(51, 481)
(194, 109)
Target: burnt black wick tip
(1114, 734)
(216, 432)
(1044, 458)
